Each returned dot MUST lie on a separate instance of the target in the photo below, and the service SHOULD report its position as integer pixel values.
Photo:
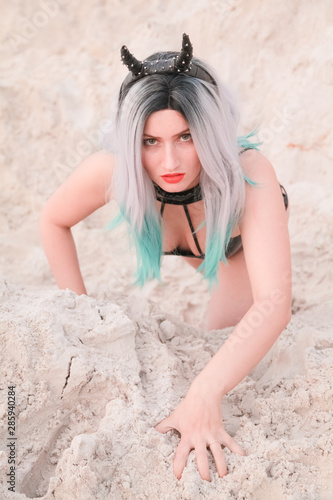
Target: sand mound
(92, 380)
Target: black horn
(130, 61)
(184, 59)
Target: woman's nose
(171, 158)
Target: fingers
(230, 443)
(162, 427)
(181, 455)
(202, 462)
(165, 425)
(218, 455)
(185, 446)
(215, 448)
(184, 449)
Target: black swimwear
(193, 195)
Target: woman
(187, 186)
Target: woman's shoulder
(101, 161)
(88, 186)
(83, 192)
(256, 166)
(96, 171)
(262, 188)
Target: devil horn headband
(176, 65)
(171, 65)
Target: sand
(93, 375)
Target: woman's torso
(177, 236)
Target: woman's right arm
(81, 194)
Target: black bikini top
(186, 198)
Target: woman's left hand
(198, 419)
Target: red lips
(173, 178)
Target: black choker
(181, 198)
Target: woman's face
(168, 153)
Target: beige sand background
(94, 374)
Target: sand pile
(92, 378)
(93, 375)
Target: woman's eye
(186, 137)
(149, 142)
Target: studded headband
(180, 64)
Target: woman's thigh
(233, 296)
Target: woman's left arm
(267, 254)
